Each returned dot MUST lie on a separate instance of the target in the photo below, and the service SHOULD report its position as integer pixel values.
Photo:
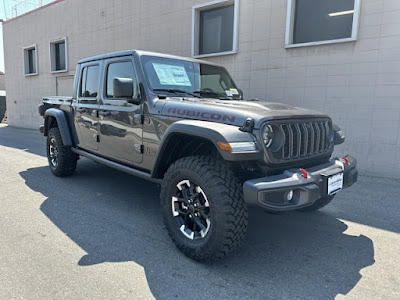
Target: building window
(215, 28)
(58, 56)
(311, 22)
(30, 61)
(90, 82)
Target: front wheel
(203, 207)
(62, 160)
(320, 203)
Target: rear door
(120, 121)
(87, 105)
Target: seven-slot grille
(305, 138)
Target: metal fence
(16, 8)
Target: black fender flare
(62, 123)
(211, 131)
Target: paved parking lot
(99, 234)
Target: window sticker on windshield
(172, 75)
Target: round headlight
(268, 135)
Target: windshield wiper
(175, 91)
(217, 95)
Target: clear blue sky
(6, 13)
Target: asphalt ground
(99, 235)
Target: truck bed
(58, 100)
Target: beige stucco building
(341, 57)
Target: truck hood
(233, 112)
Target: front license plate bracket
(334, 183)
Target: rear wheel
(203, 207)
(320, 203)
(62, 160)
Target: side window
(213, 82)
(214, 78)
(83, 82)
(90, 82)
(122, 69)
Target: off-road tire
(320, 203)
(67, 160)
(228, 211)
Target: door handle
(105, 113)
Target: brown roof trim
(32, 11)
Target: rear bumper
(271, 192)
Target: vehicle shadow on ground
(115, 217)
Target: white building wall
(356, 83)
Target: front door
(86, 107)
(120, 122)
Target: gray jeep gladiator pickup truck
(185, 124)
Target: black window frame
(105, 79)
(84, 77)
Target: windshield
(183, 77)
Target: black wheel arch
(56, 117)
(191, 137)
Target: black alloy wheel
(53, 153)
(191, 210)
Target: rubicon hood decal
(201, 115)
(232, 112)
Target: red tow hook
(304, 173)
(346, 160)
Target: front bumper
(271, 192)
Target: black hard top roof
(140, 53)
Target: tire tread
(228, 188)
(67, 159)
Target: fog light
(289, 196)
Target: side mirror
(124, 88)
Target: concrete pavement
(99, 235)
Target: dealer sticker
(234, 91)
(335, 183)
(228, 93)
